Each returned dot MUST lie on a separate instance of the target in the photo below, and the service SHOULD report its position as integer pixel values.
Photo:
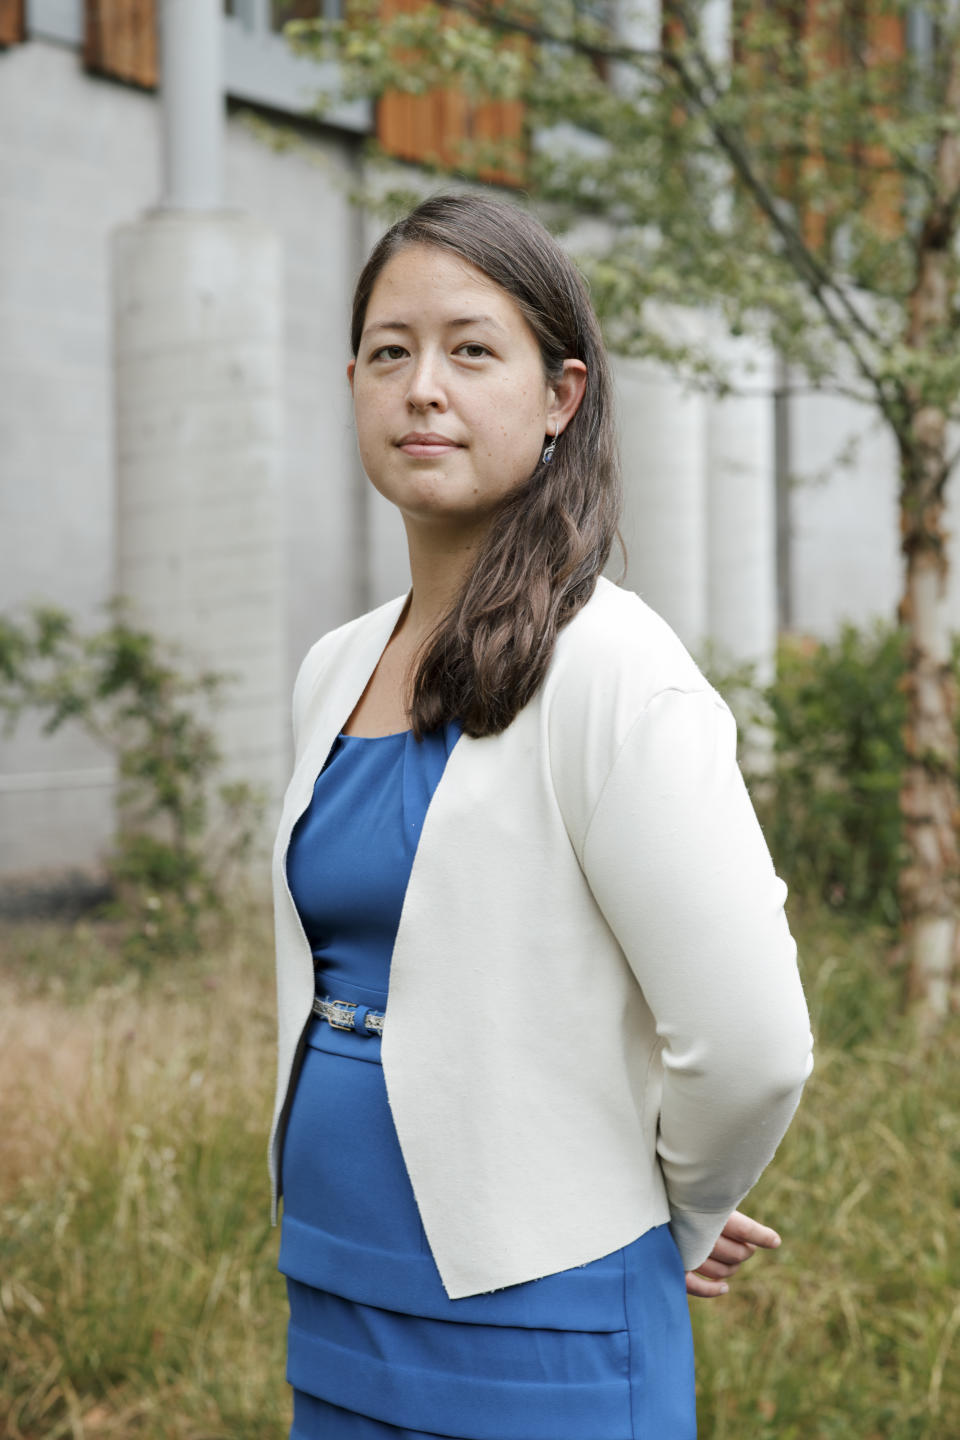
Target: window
(274, 14)
(260, 66)
(120, 39)
(865, 35)
(56, 20)
(283, 10)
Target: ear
(563, 398)
(350, 369)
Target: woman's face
(452, 405)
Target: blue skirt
(377, 1350)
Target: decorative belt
(345, 1015)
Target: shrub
(837, 712)
(120, 684)
(823, 752)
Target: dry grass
(138, 1290)
(852, 1329)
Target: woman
(516, 799)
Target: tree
(797, 175)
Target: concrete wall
(76, 158)
(845, 555)
(79, 157)
(699, 515)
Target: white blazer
(594, 1021)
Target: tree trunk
(930, 879)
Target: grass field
(138, 1290)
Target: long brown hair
(550, 539)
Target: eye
(389, 352)
(473, 350)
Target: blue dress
(376, 1349)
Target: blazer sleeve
(676, 860)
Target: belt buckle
(340, 1014)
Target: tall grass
(138, 1289)
(851, 1330)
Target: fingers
(716, 1270)
(742, 1228)
(730, 1252)
(705, 1289)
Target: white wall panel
(663, 436)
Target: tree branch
(493, 18)
(814, 275)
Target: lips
(425, 444)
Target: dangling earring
(548, 453)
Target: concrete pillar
(197, 305)
(741, 514)
(662, 432)
(192, 111)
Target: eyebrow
(451, 324)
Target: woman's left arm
(740, 1238)
(678, 865)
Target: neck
(439, 564)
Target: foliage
(138, 1290)
(823, 750)
(121, 686)
(832, 815)
(786, 189)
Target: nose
(426, 390)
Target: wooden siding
(865, 34)
(120, 39)
(439, 127)
(886, 44)
(13, 21)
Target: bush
(823, 752)
(120, 684)
(837, 712)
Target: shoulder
(617, 642)
(615, 664)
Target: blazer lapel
(341, 683)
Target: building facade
(175, 422)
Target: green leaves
(833, 819)
(121, 686)
(785, 184)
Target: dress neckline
(393, 735)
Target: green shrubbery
(121, 685)
(823, 751)
(832, 815)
